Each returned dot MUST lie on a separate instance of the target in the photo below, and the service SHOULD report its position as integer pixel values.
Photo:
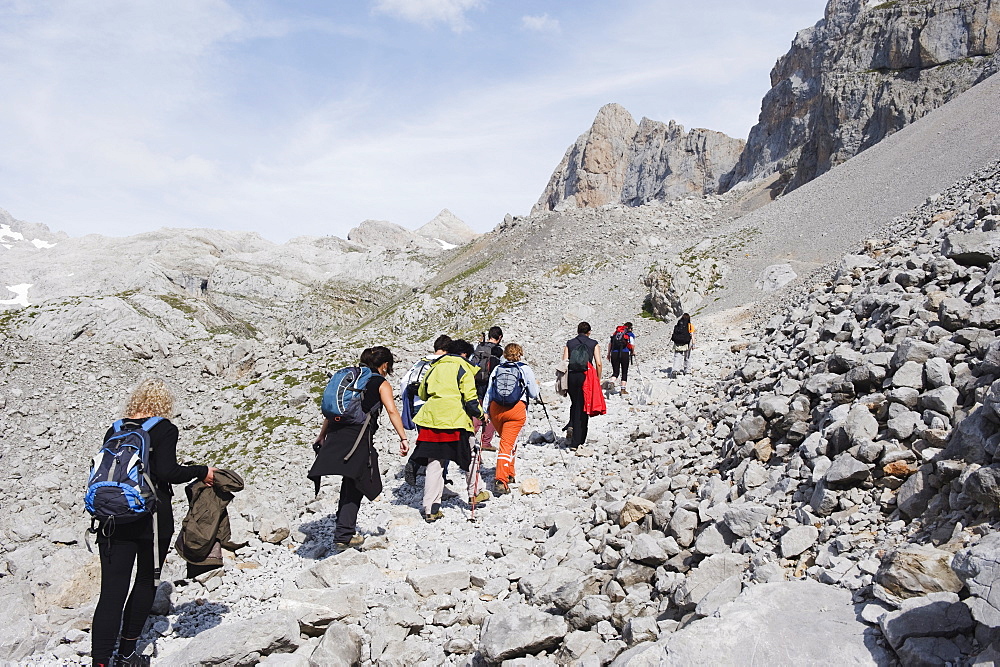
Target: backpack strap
(150, 423)
(117, 426)
(364, 429)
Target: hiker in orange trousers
(511, 384)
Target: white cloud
(543, 23)
(428, 12)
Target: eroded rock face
(863, 72)
(619, 161)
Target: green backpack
(579, 357)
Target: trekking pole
(476, 462)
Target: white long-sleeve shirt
(531, 388)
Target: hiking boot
(134, 659)
(480, 498)
(448, 494)
(569, 434)
(355, 542)
(410, 472)
(431, 518)
(489, 448)
(500, 488)
(624, 391)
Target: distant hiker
(582, 353)
(345, 445)
(127, 541)
(512, 383)
(683, 339)
(620, 351)
(409, 387)
(445, 426)
(487, 356)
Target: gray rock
(519, 630)
(19, 637)
(942, 399)
(846, 471)
(751, 427)
(860, 424)
(916, 570)
(340, 647)
(954, 313)
(725, 592)
(348, 567)
(936, 615)
(916, 492)
(937, 372)
(775, 277)
(647, 551)
(437, 579)
(741, 519)
(978, 567)
(316, 608)
(561, 586)
(904, 424)
(972, 248)
(709, 574)
(791, 623)
(273, 527)
(929, 652)
(682, 526)
(910, 374)
(640, 629)
(714, 538)
(590, 611)
(237, 643)
(797, 540)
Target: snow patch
(20, 295)
(38, 243)
(7, 233)
(446, 245)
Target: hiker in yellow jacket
(444, 425)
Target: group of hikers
(452, 398)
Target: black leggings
(578, 419)
(620, 360)
(114, 612)
(347, 510)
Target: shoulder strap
(150, 423)
(364, 429)
(117, 426)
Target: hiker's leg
(433, 485)
(585, 424)
(140, 600)
(488, 432)
(347, 510)
(576, 416)
(687, 360)
(625, 361)
(506, 425)
(616, 364)
(675, 368)
(116, 574)
(517, 416)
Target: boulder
(340, 647)
(935, 615)
(635, 509)
(983, 484)
(916, 570)
(974, 248)
(316, 608)
(239, 643)
(560, 586)
(741, 519)
(846, 471)
(437, 579)
(913, 496)
(978, 568)
(519, 630)
(789, 623)
(797, 540)
(705, 578)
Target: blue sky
(306, 117)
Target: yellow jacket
(446, 390)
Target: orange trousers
(508, 422)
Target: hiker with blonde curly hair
(122, 611)
(511, 385)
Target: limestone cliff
(864, 71)
(620, 162)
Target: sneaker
(480, 498)
(500, 488)
(410, 472)
(355, 542)
(135, 659)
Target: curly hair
(151, 397)
(513, 352)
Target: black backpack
(619, 341)
(579, 356)
(681, 335)
(486, 359)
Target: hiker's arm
(530, 383)
(470, 399)
(166, 467)
(389, 402)
(489, 390)
(597, 361)
(565, 353)
(322, 433)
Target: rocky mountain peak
(618, 161)
(448, 229)
(863, 72)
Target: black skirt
(362, 466)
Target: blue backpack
(342, 396)
(508, 384)
(119, 487)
